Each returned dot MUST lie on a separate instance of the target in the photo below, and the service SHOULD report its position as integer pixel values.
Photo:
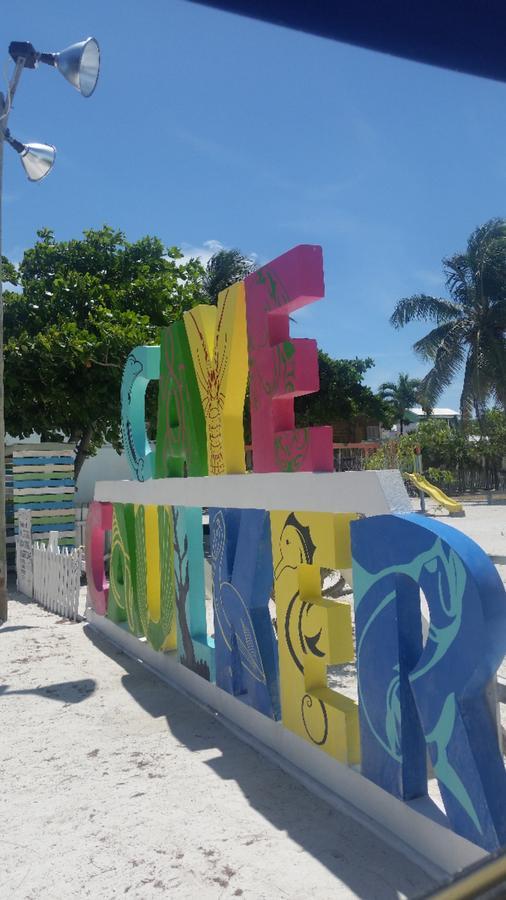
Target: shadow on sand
(351, 852)
(64, 691)
(4, 628)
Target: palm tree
(470, 327)
(401, 395)
(223, 269)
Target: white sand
(115, 785)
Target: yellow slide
(453, 506)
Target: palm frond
(386, 387)
(459, 278)
(447, 363)
(422, 307)
(402, 395)
(495, 366)
(486, 250)
(469, 328)
(483, 239)
(428, 346)
(223, 269)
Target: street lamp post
(80, 65)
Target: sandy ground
(115, 785)
(484, 524)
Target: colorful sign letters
(273, 635)
(203, 363)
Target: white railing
(57, 578)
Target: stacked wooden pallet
(9, 512)
(43, 481)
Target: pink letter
(99, 521)
(282, 368)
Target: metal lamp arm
(5, 108)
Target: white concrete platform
(370, 493)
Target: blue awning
(464, 35)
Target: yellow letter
(219, 348)
(154, 564)
(313, 632)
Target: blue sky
(206, 127)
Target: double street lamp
(79, 64)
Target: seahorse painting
(313, 632)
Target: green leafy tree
(223, 269)
(488, 442)
(394, 454)
(449, 452)
(470, 327)
(400, 396)
(444, 448)
(84, 304)
(9, 272)
(342, 394)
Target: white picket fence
(57, 578)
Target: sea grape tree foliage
(83, 304)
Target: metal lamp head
(80, 65)
(37, 159)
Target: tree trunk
(82, 449)
(478, 411)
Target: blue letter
(442, 685)
(246, 650)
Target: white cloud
(204, 252)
